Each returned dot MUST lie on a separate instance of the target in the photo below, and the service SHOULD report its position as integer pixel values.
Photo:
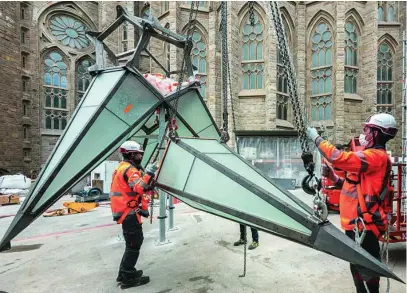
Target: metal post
(163, 196)
(171, 214)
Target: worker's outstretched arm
(139, 184)
(362, 161)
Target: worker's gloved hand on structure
(151, 169)
(312, 133)
(144, 213)
(329, 173)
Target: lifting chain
(300, 118)
(172, 122)
(226, 80)
(226, 91)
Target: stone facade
(26, 40)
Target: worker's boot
(137, 274)
(240, 242)
(134, 282)
(254, 245)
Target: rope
(385, 249)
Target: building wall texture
(26, 40)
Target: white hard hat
(383, 121)
(131, 147)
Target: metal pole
(163, 196)
(171, 214)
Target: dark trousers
(360, 274)
(133, 235)
(255, 234)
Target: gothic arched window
(252, 53)
(351, 57)
(321, 72)
(199, 59)
(55, 91)
(385, 81)
(283, 99)
(83, 77)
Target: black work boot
(134, 282)
(137, 274)
(240, 242)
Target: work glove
(312, 133)
(144, 213)
(328, 172)
(151, 169)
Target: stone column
(338, 103)
(300, 51)
(270, 72)
(214, 65)
(235, 69)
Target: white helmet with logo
(130, 147)
(383, 121)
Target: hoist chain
(187, 54)
(226, 92)
(225, 70)
(226, 80)
(172, 124)
(289, 72)
(299, 116)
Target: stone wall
(254, 110)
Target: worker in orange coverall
(363, 189)
(128, 203)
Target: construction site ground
(82, 252)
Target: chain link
(299, 117)
(187, 54)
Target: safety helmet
(130, 147)
(384, 122)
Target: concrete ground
(81, 253)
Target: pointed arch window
(385, 83)
(124, 36)
(351, 57)
(387, 11)
(283, 99)
(199, 59)
(321, 72)
(83, 78)
(252, 53)
(55, 91)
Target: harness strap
(365, 214)
(131, 205)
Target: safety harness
(131, 204)
(365, 216)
